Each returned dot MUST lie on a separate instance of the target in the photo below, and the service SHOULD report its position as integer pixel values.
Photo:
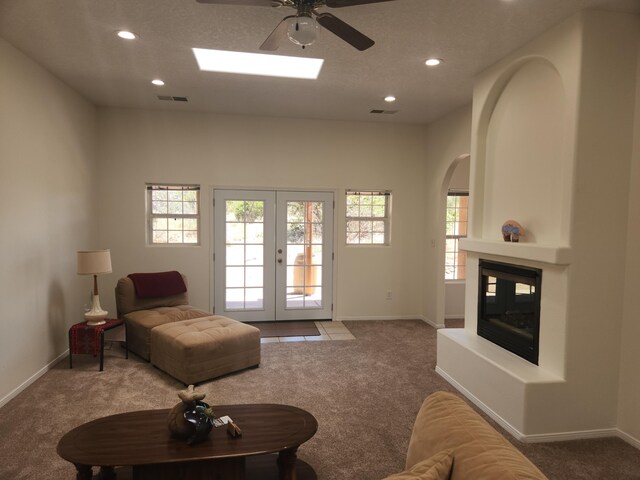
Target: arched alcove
(521, 170)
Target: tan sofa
(190, 344)
(450, 441)
(143, 314)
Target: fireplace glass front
(509, 307)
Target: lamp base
(94, 322)
(96, 316)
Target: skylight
(257, 64)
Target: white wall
(448, 142)
(454, 299)
(258, 152)
(629, 394)
(601, 206)
(47, 180)
(460, 177)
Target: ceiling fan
(302, 28)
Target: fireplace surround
(536, 116)
(514, 391)
(509, 307)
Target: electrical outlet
(389, 295)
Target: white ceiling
(75, 40)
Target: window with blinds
(457, 221)
(173, 214)
(368, 215)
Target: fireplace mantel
(555, 255)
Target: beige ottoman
(203, 348)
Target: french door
(273, 255)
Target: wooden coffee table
(142, 440)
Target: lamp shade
(94, 262)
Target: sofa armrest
(445, 422)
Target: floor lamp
(95, 262)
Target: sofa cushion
(445, 421)
(140, 323)
(437, 467)
(158, 284)
(197, 350)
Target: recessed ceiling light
(126, 34)
(390, 99)
(432, 62)
(157, 82)
(257, 64)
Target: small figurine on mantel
(512, 231)
(192, 418)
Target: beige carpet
(365, 394)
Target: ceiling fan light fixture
(303, 30)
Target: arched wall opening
(460, 162)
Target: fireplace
(509, 307)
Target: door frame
(212, 247)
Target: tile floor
(328, 331)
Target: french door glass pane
(235, 255)
(235, 277)
(304, 255)
(254, 255)
(244, 254)
(255, 233)
(235, 232)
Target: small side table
(89, 339)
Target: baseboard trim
(432, 323)
(481, 405)
(634, 442)
(577, 435)
(16, 391)
(538, 438)
(453, 316)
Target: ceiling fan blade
(273, 40)
(256, 3)
(350, 3)
(345, 31)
